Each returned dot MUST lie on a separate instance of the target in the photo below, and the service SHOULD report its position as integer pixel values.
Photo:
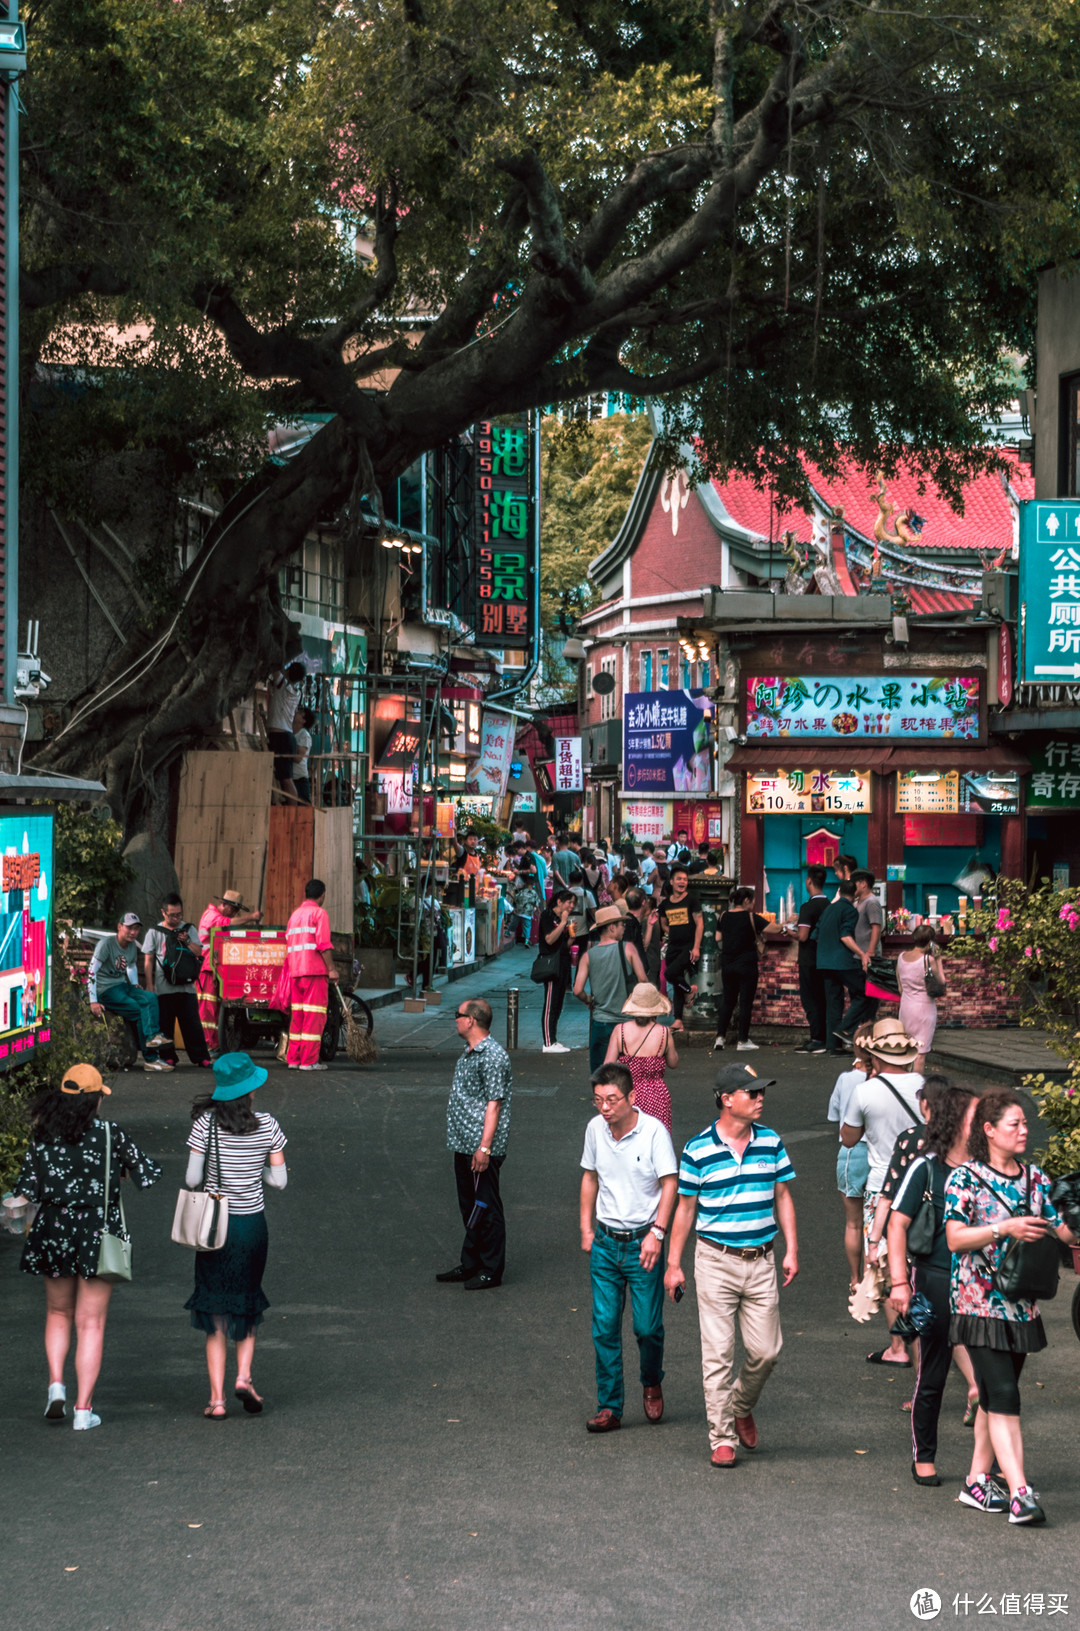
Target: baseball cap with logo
(131, 920)
(730, 1078)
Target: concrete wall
(1058, 354)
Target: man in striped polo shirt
(730, 1178)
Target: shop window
(645, 671)
(1070, 436)
(687, 674)
(705, 676)
(663, 667)
(607, 702)
(514, 657)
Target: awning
(762, 759)
(29, 786)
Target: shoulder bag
(201, 1218)
(924, 1224)
(934, 987)
(881, 972)
(114, 1253)
(545, 967)
(179, 963)
(1027, 1269)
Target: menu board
(925, 793)
(808, 792)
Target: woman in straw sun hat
(64, 1171)
(645, 1045)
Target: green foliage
(90, 868)
(375, 925)
(1059, 1106)
(489, 832)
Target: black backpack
(179, 964)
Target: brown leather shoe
(653, 1398)
(605, 1421)
(746, 1428)
(723, 1456)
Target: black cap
(730, 1078)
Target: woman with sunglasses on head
(943, 1147)
(70, 1154)
(992, 1201)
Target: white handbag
(201, 1218)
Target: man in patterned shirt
(477, 1127)
(730, 1179)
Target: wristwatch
(995, 1231)
(484, 1149)
(656, 1230)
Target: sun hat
(646, 1002)
(235, 1075)
(889, 1042)
(234, 897)
(607, 914)
(83, 1079)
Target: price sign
(925, 794)
(808, 792)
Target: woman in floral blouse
(64, 1172)
(993, 1199)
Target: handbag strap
(108, 1171)
(213, 1149)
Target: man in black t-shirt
(682, 922)
(811, 981)
(700, 861)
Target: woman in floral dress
(64, 1172)
(995, 1198)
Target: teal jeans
(615, 1266)
(140, 1007)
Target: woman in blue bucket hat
(248, 1149)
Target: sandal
(250, 1400)
(215, 1410)
(890, 1364)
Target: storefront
(1052, 803)
(893, 768)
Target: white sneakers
(158, 1041)
(718, 1045)
(746, 1047)
(312, 1067)
(556, 1047)
(84, 1420)
(156, 1064)
(54, 1409)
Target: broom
(359, 1042)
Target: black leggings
(935, 1357)
(998, 1376)
(554, 992)
(737, 988)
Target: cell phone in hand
(678, 1294)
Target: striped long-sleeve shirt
(735, 1195)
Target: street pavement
(422, 1464)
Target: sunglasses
(753, 1092)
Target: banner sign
(913, 708)
(702, 820)
(503, 578)
(1050, 591)
(1054, 783)
(26, 925)
(490, 773)
(399, 793)
(650, 821)
(808, 792)
(402, 747)
(568, 764)
(666, 742)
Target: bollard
(511, 1018)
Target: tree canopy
(803, 224)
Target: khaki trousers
(729, 1286)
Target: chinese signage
(490, 772)
(399, 793)
(647, 821)
(667, 742)
(503, 578)
(1050, 591)
(402, 747)
(862, 705)
(1054, 783)
(919, 793)
(25, 934)
(248, 963)
(808, 792)
(703, 822)
(568, 764)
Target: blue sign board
(1049, 591)
(854, 707)
(666, 742)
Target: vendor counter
(974, 998)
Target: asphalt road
(422, 1464)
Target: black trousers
(678, 974)
(554, 995)
(998, 1376)
(737, 988)
(841, 982)
(935, 1357)
(484, 1248)
(812, 997)
(183, 1010)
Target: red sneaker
(605, 1421)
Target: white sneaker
(746, 1047)
(54, 1410)
(313, 1067)
(84, 1420)
(555, 1047)
(718, 1045)
(156, 1064)
(158, 1041)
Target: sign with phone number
(808, 792)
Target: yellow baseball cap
(83, 1079)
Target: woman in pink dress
(646, 1047)
(918, 1012)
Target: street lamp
(12, 48)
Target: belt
(624, 1234)
(747, 1253)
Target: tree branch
(386, 269)
(54, 284)
(551, 255)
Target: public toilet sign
(1050, 590)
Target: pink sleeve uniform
(306, 938)
(206, 985)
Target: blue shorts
(853, 1169)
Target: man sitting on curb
(113, 984)
(627, 1197)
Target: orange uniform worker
(309, 963)
(228, 914)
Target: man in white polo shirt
(627, 1198)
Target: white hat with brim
(646, 1002)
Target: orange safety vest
(306, 937)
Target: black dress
(68, 1180)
